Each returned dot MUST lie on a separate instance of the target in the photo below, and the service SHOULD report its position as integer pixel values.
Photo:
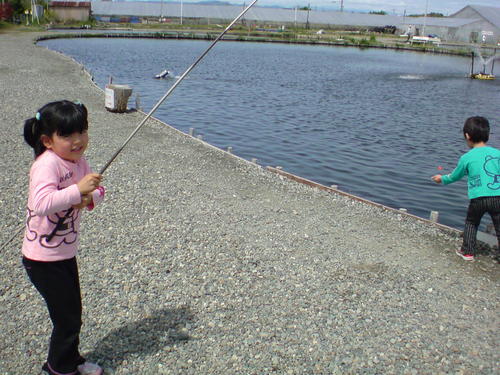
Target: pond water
(377, 123)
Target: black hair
(478, 129)
(62, 117)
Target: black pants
(477, 208)
(59, 285)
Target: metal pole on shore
(493, 62)
(472, 64)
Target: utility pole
(425, 16)
(308, 9)
(34, 12)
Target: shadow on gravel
(137, 339)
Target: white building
(470, 24)
(486, 27)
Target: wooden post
(434, 216)
(117, 97)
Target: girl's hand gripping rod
(139, 126)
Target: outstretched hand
(89, 183)
(437, 178)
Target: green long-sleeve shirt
(482, 167)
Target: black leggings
(59, 285)
(477, 208)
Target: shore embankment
(271, 37)
(198, 262)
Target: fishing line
(61, 220)
(167, 94)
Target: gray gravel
(201, 263)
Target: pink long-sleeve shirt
(52, 192)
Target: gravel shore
(200, 263)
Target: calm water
(376, 123)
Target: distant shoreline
(209, 35)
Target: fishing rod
(167, 94)
(61, 220)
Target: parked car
(426, 39)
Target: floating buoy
(163, 74)
(482, 76)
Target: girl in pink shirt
(61, 185)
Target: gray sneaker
(89, 368)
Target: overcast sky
(446, 7)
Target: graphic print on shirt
(67, 234)
(475, 181)
(492, 168)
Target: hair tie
(77, 102)
(37, 116)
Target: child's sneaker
(89, 368)
(460, 253)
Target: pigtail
(32, 135)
